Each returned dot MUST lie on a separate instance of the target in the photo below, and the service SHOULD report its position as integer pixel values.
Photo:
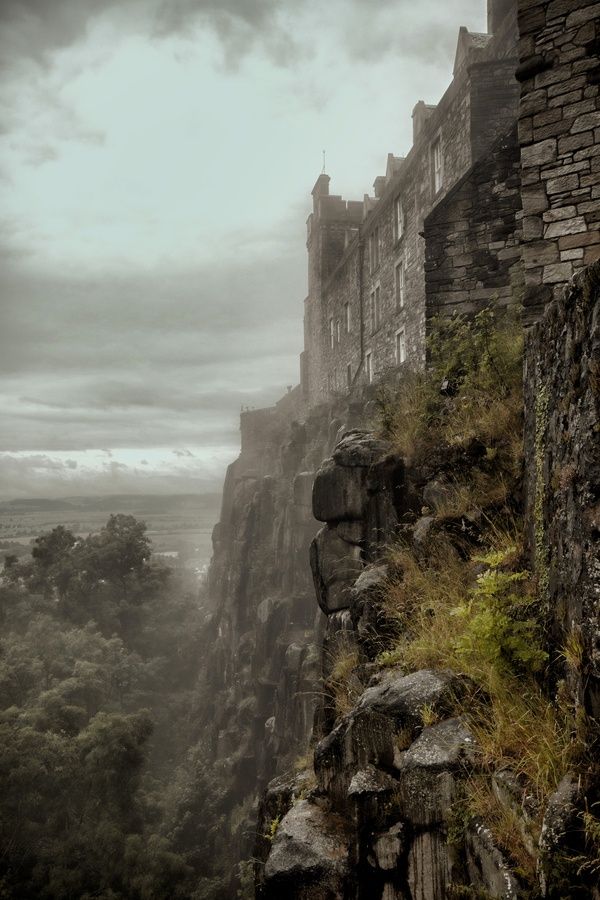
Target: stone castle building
(440, 232)
(497, 199)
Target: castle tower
(331, 226)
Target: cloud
(44, 475)
(285, 30)
(133, 358)
(37, 156)
(36, 29)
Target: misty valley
(101, 744)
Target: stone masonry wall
(562, 462)
(559, 131)
(472, 237)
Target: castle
(372, 277)
(497, 199)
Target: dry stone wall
(562, 428)
(559, 131)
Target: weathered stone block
(539, 154)
(585, 122)
(339, 493)
(335, 565)
(534, 199)
(309, 856)
(562, 184)
(559, 213)
(557, 273)
(532, 228)
(540, 253)
(566, 226)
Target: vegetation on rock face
(463, 599)
(470, 392)
(101, 795)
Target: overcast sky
(156, 162)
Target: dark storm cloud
(364, 31)
(36, 28)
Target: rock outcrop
(263, 661)
(388, 778)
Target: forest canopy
(103, 788)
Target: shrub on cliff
(470, 393)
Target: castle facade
(497, 200)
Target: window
(438, 165)
(369, 366)
(400, 347)
(375, 308)
(347, 317)
(399, 284)
(338, 331)
(374, 249)
(331, 333)
(349, 375)
(398, 218)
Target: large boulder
(335, 565)
(339, 493)
(360, 448)
(309, 855)
(370, 617)
(403, 698)
(430, 771)
(358, 742)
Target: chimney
(420, 114)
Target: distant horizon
(138, 495)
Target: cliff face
(562, 403)
(262, 665)
(375, 820)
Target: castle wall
(472, 237)
(559, 131)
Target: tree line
(103, 783)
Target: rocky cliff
(375, 820)
(262, 670)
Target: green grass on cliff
(470, 394)
(465, 601)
